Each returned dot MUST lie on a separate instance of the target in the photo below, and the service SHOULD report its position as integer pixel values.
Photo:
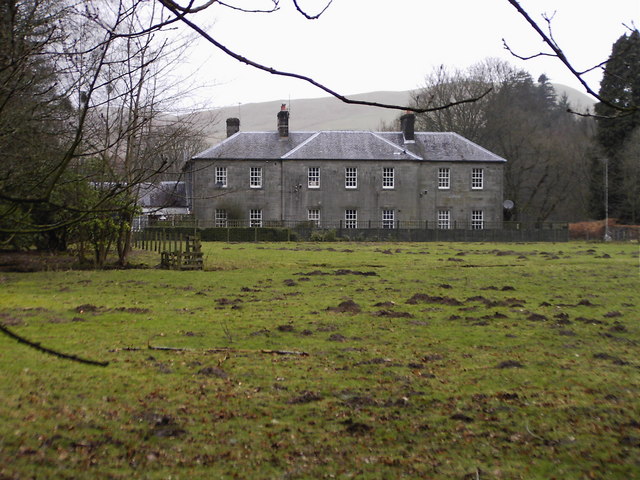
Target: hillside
(328, 113)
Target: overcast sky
(368, 45)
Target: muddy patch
(225, 302)
(424, 298)
(338, 272)
(305, 397)
(285, 328)
(611, 358)
(510, 364)
(10, 321)
(356, 428)
(384, 304)
(392, 314)
(88, 308)
(132, 310)
(213, 372)
(161, 425)
(336, 337)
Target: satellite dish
(508, 204)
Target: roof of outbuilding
(348, 145)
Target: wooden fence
(178, 251)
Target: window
(313, 215)
(255, 177)
(255, 218)
(314, 177)
(387, 177)
(444, 178)
(351, 177)
(350, 219)
(477, 180)
(477, 220)
(221, 218)
(221, 177)
(388, 219)
(444, 219)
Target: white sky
(362, 46)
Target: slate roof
(163, 194)
(349, 145)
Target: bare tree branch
(312, 17)
(560, 55)
(169, 5)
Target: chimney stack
(407, 123)
(233, 126)
(283, 121)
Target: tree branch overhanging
(178, 12)
(311, 17)
(558, 53)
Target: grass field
(439, 361)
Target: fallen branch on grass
(228, 350)
(49, 351)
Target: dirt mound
(348, 306)
(424, 298)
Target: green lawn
(439, 361)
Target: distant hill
(580, 102)
(329, 113)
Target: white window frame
(313, 215)
(313, 177)
(221, 218)
(388, 219)
(350, 177)
(388, 178)
(477, 219)
(444, 178)
(255, 177)
(350, 218)
(221, 177)
(477, 178)
(444, 219)
(255, 217)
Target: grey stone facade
(348, 178)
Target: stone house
(346, 179)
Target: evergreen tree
(620, 87)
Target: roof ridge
(217, 145)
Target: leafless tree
(105, 91)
